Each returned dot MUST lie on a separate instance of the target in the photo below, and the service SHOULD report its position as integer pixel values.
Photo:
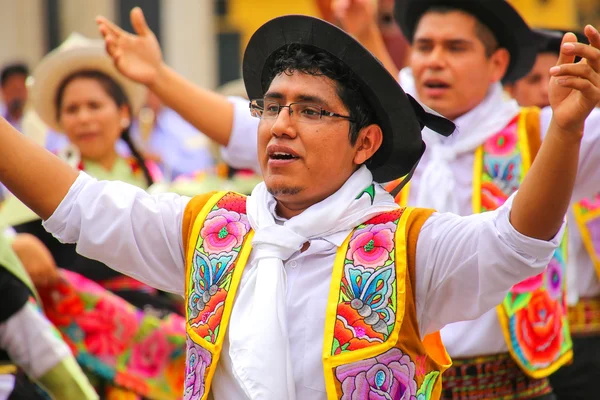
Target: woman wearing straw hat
(77, 91)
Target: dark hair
(482, 31)
(312, 61)
(13, 69)
(115, 91)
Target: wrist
(159, 77)
(369, 34)
(568, 134)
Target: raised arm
(545, 194)
(37, 177)
(138, 56)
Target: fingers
(566, 47)
(138, 21)
(593, 36)
(106, 27)
(580, 70)
(586, 87)
(590, 54)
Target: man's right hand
(137, 56)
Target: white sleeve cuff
(242, 149)
(537, 251)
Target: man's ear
(368, 142)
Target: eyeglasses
(302, 112)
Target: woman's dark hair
(115, 91)
(312, 61)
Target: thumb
(138, 21)
(566, 58)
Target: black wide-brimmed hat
(400, 117)
(509, 28)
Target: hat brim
(509, 28)
(59, 64)
(400, 119)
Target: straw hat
(77, 53)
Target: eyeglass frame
(323, 113)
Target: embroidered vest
(533, 316)
(587, 217)
(371, 342)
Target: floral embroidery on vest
(533, 313)
(366, 311)
(198, 361)
(390, 375)
(587, 215)
(502, 167)
(216, 252)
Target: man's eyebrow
(273, 95)
(299, 98)
(463, 42)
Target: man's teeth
(281, 155)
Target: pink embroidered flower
(591, 204)
(223, 231)
(370, 247)
(502, 143)
(198, 361)
(150, 355)
(388, 376)
(108, 328)
(529, 284)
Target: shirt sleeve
(31, 342)
(124, 227)
(466, 265)
(242, 150)
(587, 183)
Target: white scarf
(258, 334)
(437, 185)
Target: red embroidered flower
(538, 328)
(108, 328)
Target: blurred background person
(14, 93)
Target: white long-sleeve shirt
(464, 265)
(483, 335)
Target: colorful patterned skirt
(128, 353)
(584, 317)
(495, 377)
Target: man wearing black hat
(578, 380)
(461, 50)
(317, 285)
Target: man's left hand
(575, 87)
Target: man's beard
(279, 191)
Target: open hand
(355, 16)
(575, 87)
(36, 258)
(137, 56)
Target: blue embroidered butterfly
(369, 293)
(208, 275)
(504, 171)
